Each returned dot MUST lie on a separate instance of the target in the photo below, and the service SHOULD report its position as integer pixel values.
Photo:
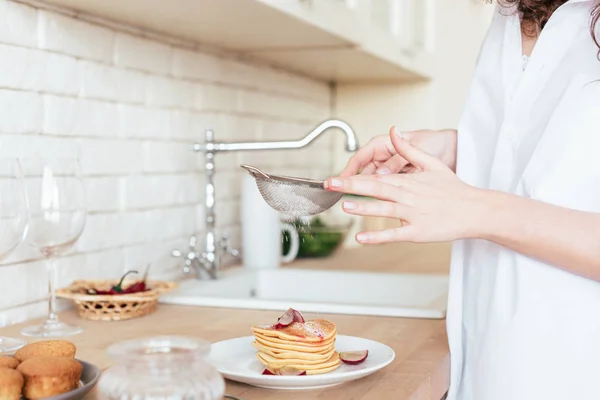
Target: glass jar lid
(160, 349)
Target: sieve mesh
(294, 198)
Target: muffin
(11, 384)
(8, 362)
(56, 348)
(49, 376)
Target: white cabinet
(335, 40)
(409, 22)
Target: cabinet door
(410, 23)
(404, 25)
(413, 23)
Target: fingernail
(383, 171)
(362, 237)
(326, 184)
(397, 132)
(349, 205)
(336, 183)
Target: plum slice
(354, 357)
(284, 371)
(286, 319)
(298, 317)
(290, 371)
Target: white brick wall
(131, 108)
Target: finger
(369, 169)
(386, 209)
(417, 157)
(366, 155)
(365, 186)
(395, 163)
(359, 160)
(404, 234)
(393, 166)
(390, 179)
(372, 168)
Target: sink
(319, 291)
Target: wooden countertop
(419, 372)
(404, 257)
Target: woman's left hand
(434, 205)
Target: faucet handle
(192, 254)
(187, 263)
(224, 244)
(192, 244)
(176, 253)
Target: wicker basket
(114, 307)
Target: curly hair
(536, 13)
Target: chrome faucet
(209, 260)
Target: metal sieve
(296, 197)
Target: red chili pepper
(118, 288)
(138, 286)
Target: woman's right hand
(379, 155)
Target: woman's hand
(380, 156)
(433, 205)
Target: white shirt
(520, 329)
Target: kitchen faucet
(209, 260)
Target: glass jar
(167, 367)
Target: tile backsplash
(131, 107)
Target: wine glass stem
(51, 265)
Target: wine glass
(14, 217)
(57, 218)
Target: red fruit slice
(286, 319)
(298, 316)
(354, 357)
(267, 371)
(290, 371)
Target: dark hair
(536, 13)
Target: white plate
(236, 360)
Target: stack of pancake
(304, 346)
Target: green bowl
(317, 241)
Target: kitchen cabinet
(333, 40)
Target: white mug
(261, 231)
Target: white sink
(321, 291)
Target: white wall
(132, 108)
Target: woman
(523, 207)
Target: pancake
(287, 354)
(311, 369)
(323, 370)
(276, 340)
(318, 330)
(280, 362)
(293, 347)
(308, 346)
(308, 357)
